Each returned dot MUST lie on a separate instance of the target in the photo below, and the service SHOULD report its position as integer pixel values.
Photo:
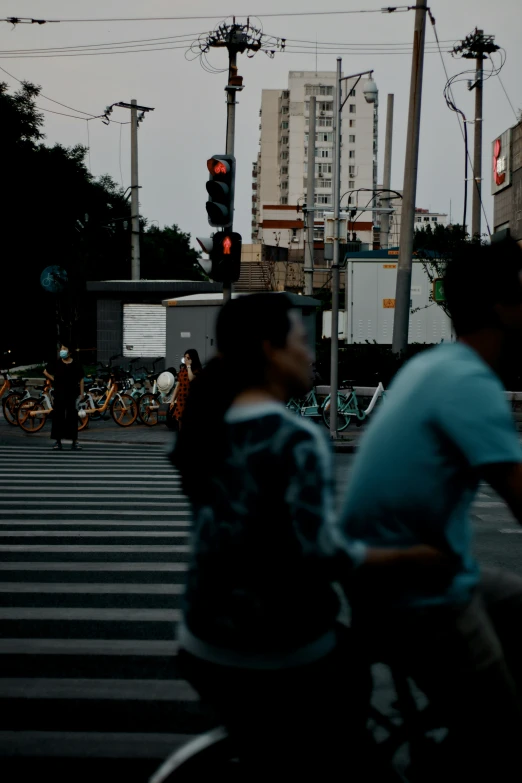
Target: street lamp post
(370, 94)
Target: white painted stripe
(93, 548)
(89, 744)
(141, 647)
(68, 481)
(492, 504)
(102, 502)
(512, 531)
(99, 567)
(92, 534)
(98, 513)
(15, 523)
(105, 689)
(93, 614)
(94, 589)
(79, 473)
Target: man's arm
(48, 375)
(506, 479)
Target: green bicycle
(348, 407)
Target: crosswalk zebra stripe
(86, 613)
(94, 551)
(75, 587)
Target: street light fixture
(370, 93)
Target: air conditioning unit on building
(295, 239)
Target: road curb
(343, 447)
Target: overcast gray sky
(188, 124)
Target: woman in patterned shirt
(189, 369)
(259, 637)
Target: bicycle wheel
(148, 406)
(27, 422)
(9, 406)
(343, 419)
(124, 410)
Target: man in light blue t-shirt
(445, 426)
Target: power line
(87, 54)
(29, 20)
(137, 41)
(507, 96)
(87, 119)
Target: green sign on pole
(438, 290)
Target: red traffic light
(217, 167)
(227, 245)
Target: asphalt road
(93, 554)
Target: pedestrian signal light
(220, 188)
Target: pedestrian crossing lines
(94, 547)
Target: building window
(426, 220)
(434, 219)
(284, 155)
(325, 106)
(286, 94)
(318, 89)
(351, 138)
(284, 125)
(351, 171)
(284, 110)
(325, 136)
(325, 122)
(284, 169)
(284, 185)
(324, 168)
(319, 234)
(323, 183)
(323, 199)
(352, 108)
(418, 219)
(352, 93)
(284, 139)
(351, 154)
(284, 199)
(351, 184)
(325, 153)
(352, 123)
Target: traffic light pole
(231, 136)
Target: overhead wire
(504, 89)
(87, 118)
(29, 20)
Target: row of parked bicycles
(123, 394)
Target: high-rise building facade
(281, 170)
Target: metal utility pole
(310, 202)
(386, 182)
(334, 351)
(477, 46)
(370, 95)
(134, 187)
(403, 290)
(135, 202)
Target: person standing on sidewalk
(189, 369)
(67, 378)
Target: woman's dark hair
(478, 278)
(196, 361)
(243, 327)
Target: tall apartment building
(281, 171)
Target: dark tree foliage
(56, 213)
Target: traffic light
(220, 188)
(224, 250)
